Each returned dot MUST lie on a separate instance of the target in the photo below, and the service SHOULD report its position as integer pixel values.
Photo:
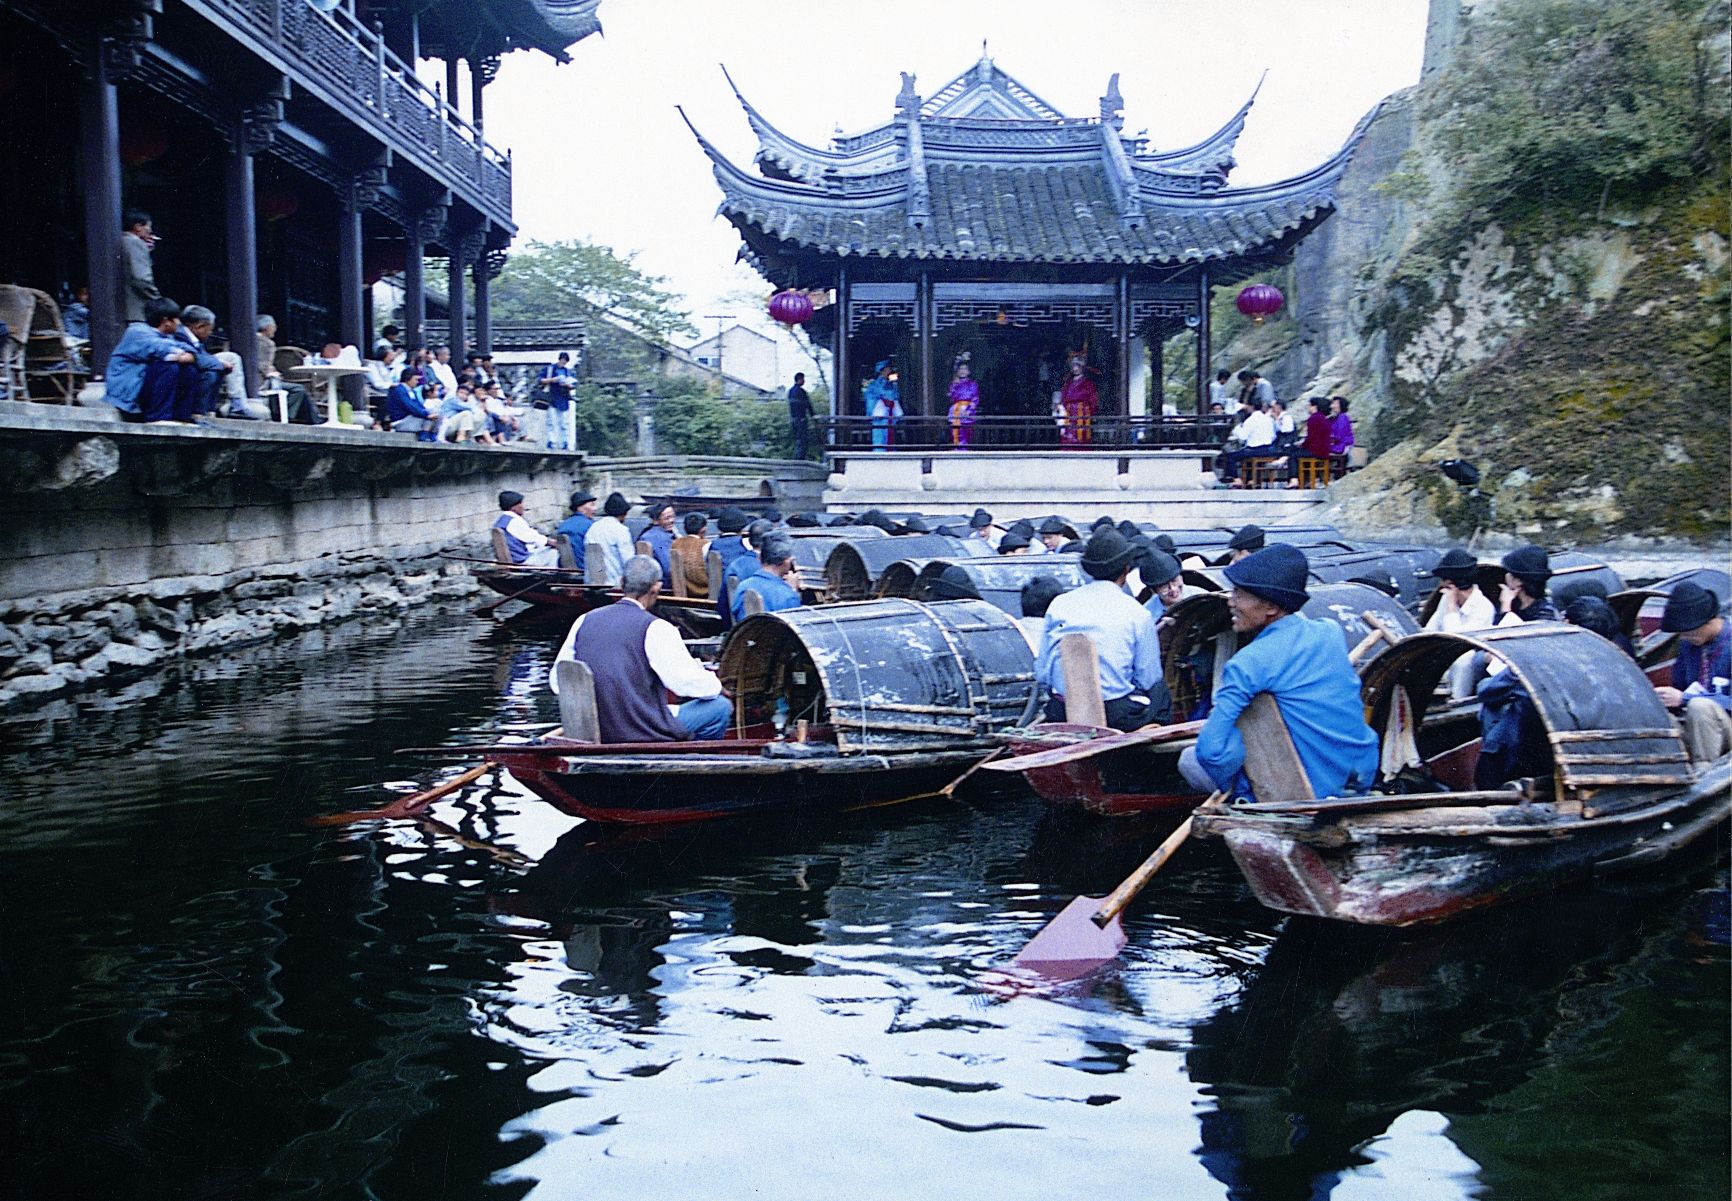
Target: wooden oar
(489, 610)
(1087, 932)
(408, 806)
(1088, 749)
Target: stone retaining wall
(125, 546)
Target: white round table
(330, 373)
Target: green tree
(557, 281)
(606, 424)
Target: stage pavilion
(982, 219)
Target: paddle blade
(1071, 945)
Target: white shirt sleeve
(680, 674)
(525, 533)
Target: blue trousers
(170, 392)
(707, 720)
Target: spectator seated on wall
(152, 373)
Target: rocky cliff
(1528, 269)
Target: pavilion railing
(1106, 432)
(378, 87)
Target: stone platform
(1164, 486)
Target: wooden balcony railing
(1202, 434)
(372, 85)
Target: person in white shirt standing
(527, 545)
(1461, 609)
(608, 545)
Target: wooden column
(483, 317)
(477, 81)
(1203, 366)
(1123, 302)
(99, 142)
(1157, 373)
(923, 335)
(241, 245)
(459, 337)
(349, 285)
(843, 402)
(414, 284)
(451, 81)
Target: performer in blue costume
(883, 405)
(1303, 664)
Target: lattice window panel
(1100, 314)
(862, 311)
(1145, 311)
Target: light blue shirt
(1303, 664)
(1123, 633)
(614, 540)
(778, 594)
(139, 346)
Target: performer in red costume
(1079, 397)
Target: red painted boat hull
(1139, 779)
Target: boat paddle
(1087, 933)
(409, 806)
(491, 609)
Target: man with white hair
(296, 402)
(637, 660)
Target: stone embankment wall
(122, 547)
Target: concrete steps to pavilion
(1165, 486)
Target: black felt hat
(1129, 529)
(1276, 573)
(1157, 567)
(914, 525)
(1053, 525)
(1165, 542)
(509, 500)
(1530, 564)
(773, 515)
(1456, 566)
(1022, 526)
(1689, 607)
(980, 520)
(1108, 555)
(1012, 542)
(731, 521)
(874, 517)
(952, 584)
(1099, 522)
(580, 498)
(616, 505)
(803, 521)
(1249, 537)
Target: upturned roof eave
(1215, 151)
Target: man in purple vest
(637, 660)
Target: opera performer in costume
(1079, 396)
(883, 405)
(964, 401)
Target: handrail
(1204, 434)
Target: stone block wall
(125, 548)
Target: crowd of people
(1134, 577)
(1266, 428)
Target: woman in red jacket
(1316, 445)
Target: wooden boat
(562, 591)
(998, 580)
(838, 708)
(1622, 793)
(852, 570)
(1139, 773)
(1570, 570)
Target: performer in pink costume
(964, 402)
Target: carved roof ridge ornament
(1214, 154)
(908, 119)
(1113, 105)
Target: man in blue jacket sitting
(770, 580)
(152, 374)
(1303, 665)
(407, 412)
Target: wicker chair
(51, 369)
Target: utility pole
(718, 318)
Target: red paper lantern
(1259, 301)
(275, 204)
(384, 258)
(791, 307)
(140, 142)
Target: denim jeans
(707, 720)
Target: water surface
(204, 997)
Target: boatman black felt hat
(1530, 564)
(1456, 566)
(1276, 573)
(731, 520)
(874, 517)
(509, 500)
(1690, 607)
(1157, 567)
(1012, 541)
(1165, 542)
(803, 521)
(616, 505)
(1099, 522)
(580, 498)
(1108, 555)
(980, 520)
(952, 584)
(1053, 525)
(914, 525)
(1249, 537)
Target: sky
(600, 153)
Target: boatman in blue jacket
(1701, 687)
(770, 580)
(1303, 664)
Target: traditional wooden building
(287, 150)
(982, 219)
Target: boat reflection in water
(1472, 1060)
